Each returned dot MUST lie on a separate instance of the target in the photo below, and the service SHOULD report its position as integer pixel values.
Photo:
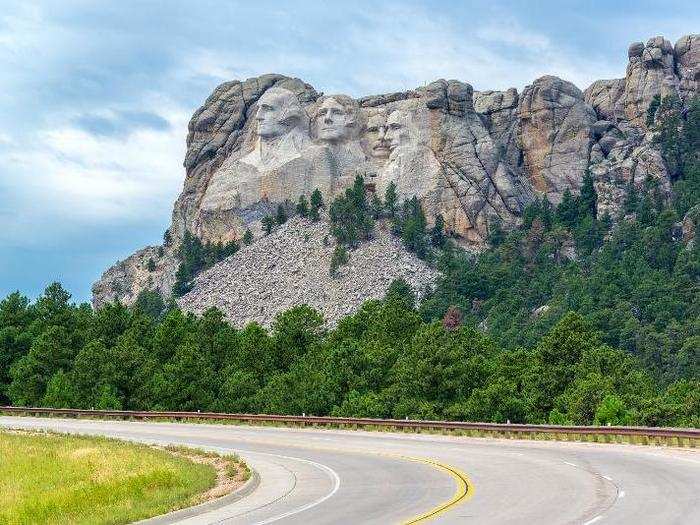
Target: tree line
(386, 360)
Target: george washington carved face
(278, 112)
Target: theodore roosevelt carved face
(278, 112)
(376, 131)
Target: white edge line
(573, 465)
(597, 518)
(332, 473)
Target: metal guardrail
(510, 429)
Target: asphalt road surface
(336, 477)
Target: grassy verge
(61, 479)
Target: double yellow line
(464, 492)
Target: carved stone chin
(272, 153)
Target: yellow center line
(464, 492)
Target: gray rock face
(498, 110)
(690, 224)
(290, 267)
(272, 139)
(606, 98)
(221, 126)
(556, 135)
(126, 279)
(476, 158)
(687, 51)
(627, 165)
(650, 72)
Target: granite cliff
(475, 158)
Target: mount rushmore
(475, 157)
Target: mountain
(476, 159)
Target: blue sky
(95, 99)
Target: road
(331, 476)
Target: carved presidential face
(333, 121)
(278, 112)
(398, 131)
(376, 131)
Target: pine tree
(248, 237)
(377, 207)
(340, 257)
(631, 199)
(390, 199)
(151, 266)
(281, 216)
(268, 223)
(437, 233)
(350, 217)
(568, 210)
(411, 226)
(316, 205)
(588, 198)
(303, 206)
(150, 303)
(496, 233)
(651, 111)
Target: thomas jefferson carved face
(376, 130)
(278, 112)
(398, 130)
(333, 121)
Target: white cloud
(509, 31)
(413, 47)
(69, 176)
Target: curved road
(331, 476)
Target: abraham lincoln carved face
(376, 131)
(398, 132)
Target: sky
(95, 97)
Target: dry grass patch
(62, 479)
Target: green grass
(59, 479)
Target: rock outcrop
(556, 134)
(152, 268)
(475, 158)
(651, 69)
(291, 267)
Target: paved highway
(330, 477)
